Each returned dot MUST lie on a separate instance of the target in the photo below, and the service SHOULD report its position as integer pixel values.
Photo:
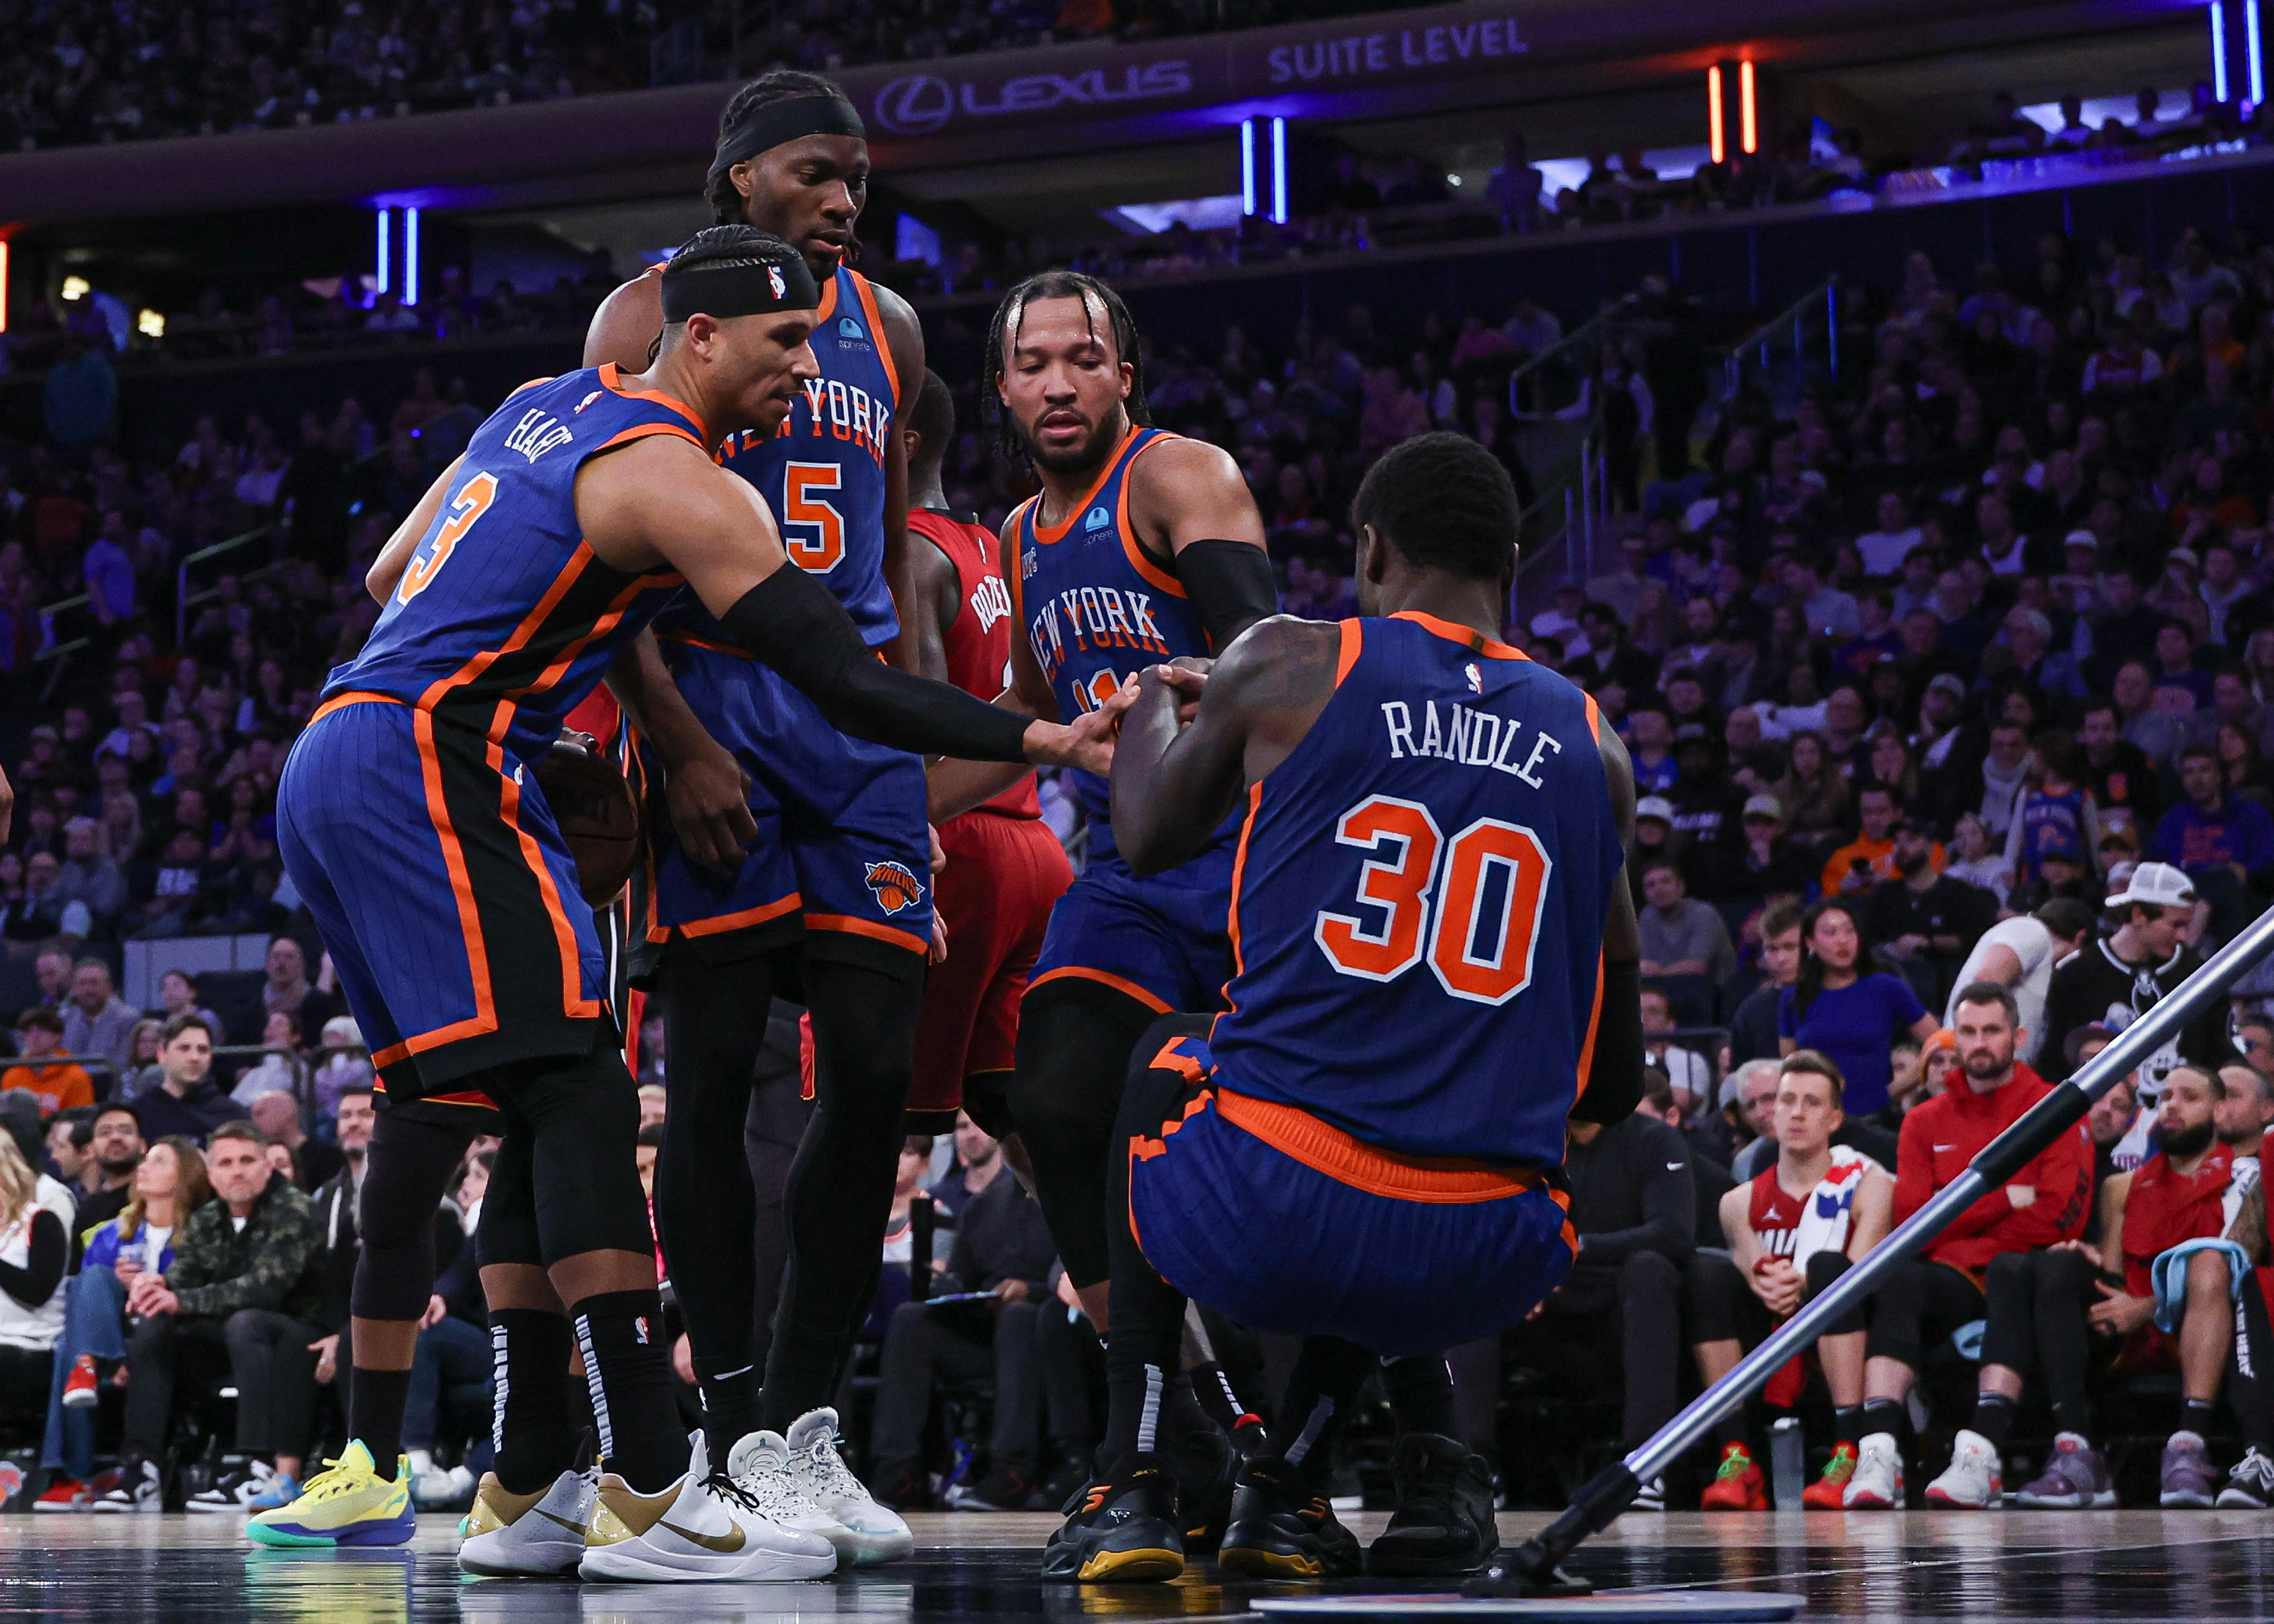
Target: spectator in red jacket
(2047, 1307)
(1929, 1296)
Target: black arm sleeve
(1615, 1080)
(45, 1248)
(1231, 586)
(792, 622)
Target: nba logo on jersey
(1476, 677)
(1098, 519)
(893, 886)
(774, 280)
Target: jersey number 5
(472, 500)
(813, 532)
(1438, 909)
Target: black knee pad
(576, 1181)
(409, 1166)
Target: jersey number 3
(1436, 899)
(472, 500)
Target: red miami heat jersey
(2164, 1208)
(1776, 1214)
(978, 642)
(1419, 897)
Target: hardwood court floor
(1984, 1566)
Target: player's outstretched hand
(709, 795)
(1086, 744)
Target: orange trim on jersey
(1595, 1022)
(1353, 640)
(828, 306)
(573, 1003)
(602, 625)
(1145, 1149)
(1106, 978)
(462, 887)
(610, 374)
(851, 926)
(358, 697)
(520, 389)
(722, 923)
(578, 561)
(1594, 717)
(868, 297)
(1011, 583)
(1324, 1148)
(1137, 561)
(646, 429)
(1050, 534)
(1170, 1059)
(1466, 636)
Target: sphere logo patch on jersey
(1098, 518)
(895, 887)
(848, 327)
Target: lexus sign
(921, 103)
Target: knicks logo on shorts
(893, 886)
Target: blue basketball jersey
(1097, 610)
(504, 617)
(1419, 898)
(823, 472)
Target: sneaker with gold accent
(348, 1503)
(526, 1536)
(704, 1526)
(1282, 1529)
(1123, 1528)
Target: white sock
(422, 1462)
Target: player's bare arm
(1873, 1215)
(625, 327)
(956, 787)
(1736, 1213)
(1173, 787)
(705, 788)
(2248, 1229)
(386, 572)
(917, 649)
(660, 501)
(1192, 510)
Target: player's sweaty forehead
(1060, 326)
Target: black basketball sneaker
(1281, 1528)
(1123, 1528)
(1443, 1523)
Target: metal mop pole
(1532, 1565)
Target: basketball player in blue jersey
(1435, 980)
(1142, 547)
(784, 834)
(411, 819)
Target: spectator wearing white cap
(346, 1065)
(2117, 980)
(1654, 838)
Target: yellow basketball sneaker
(348, 1503)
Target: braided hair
(1002, 339)
(779, 85)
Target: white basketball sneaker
(759, 1466)
(1877, 1484)
(1975, 1479)
(704, 1526)
(525, 1536)
(866, 1533)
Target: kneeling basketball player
(1436, 967)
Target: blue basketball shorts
(1162, 939)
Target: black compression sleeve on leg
(840, 1183)
(1075, 1041)
(410, 1164)
(1142, 1353)
(532, 1428)
(714, 1023)
(1613, 1081)
(1320, 1394)
(1420, 1390)
(793, 623)
(1231, 586)
(584, 1180)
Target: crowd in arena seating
(78, 73)
(1949, 689)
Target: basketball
(598, 813)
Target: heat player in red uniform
(2047, 1309)
(1005, 865)
(1791, 1232)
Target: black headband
(769, 126)
(754, 287)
